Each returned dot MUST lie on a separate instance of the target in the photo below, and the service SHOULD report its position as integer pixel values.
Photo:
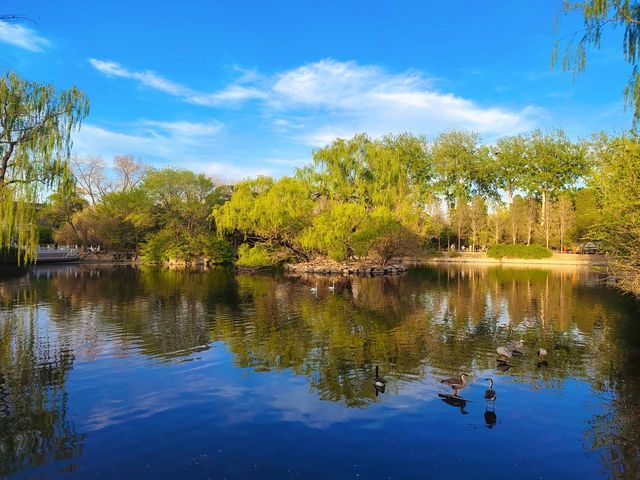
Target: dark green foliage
(219, 251)
(518, 251)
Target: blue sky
(236, 88)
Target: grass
(518, 251)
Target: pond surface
(126, 373)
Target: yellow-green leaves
(36, 123)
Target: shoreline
(557, 259)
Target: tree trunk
(544, 222)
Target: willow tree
(36, 124)
(600, 17)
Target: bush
(168, 244)
(254, 257)
(518, 251)
(219, 251)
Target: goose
(542, 352)
(456, 383)
(504, 352)
(516, 347)
(332, 288)
(490, 394)
(314, 289)
(379, 382)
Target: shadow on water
(425, 324)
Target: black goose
(379, 382)
(490, 394)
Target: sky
(236, 89)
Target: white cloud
(22, 37)
(344, 98)
(183, 144)
(148, 78)
(165, 141)
(293, 110)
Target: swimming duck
(504, 352)
(516, 347)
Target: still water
(127, 373)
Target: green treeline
(373, 199)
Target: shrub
(518, 251)
(254, 257)
(219, 251)
(168, 244)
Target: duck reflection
(455, 401)
(503, 366)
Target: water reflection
(418, 328)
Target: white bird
(332, 288)
(542, 352)
(314, 289)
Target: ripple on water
(154, 374)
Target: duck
(542, 352)
(456, 383)
(379, 382)
(314, 289)
(504, 352)
(516, 347)
(490, 394)
(332, 288)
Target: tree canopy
(36, 123)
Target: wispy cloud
(343, 98)
(159, 139)
(150, 79)
(319, 101)
(192, 145)
(22, 37)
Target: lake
(118, 372)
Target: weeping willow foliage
(36, 124)
(601, 16)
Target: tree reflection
(34, 428)
(441, 321)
